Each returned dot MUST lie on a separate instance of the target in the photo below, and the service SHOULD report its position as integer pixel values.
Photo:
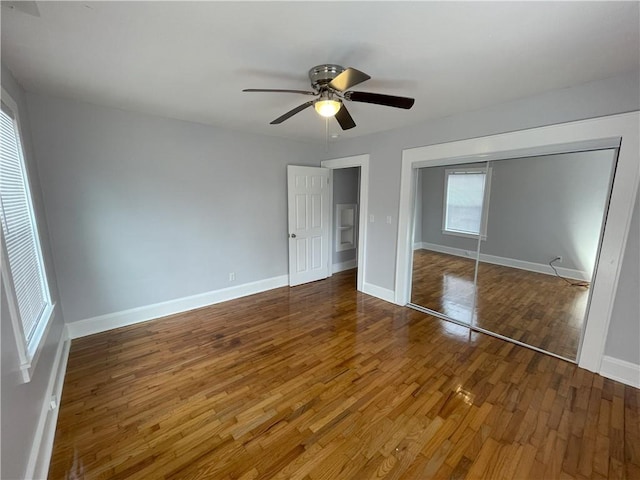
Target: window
(22, 265)
(464, 198)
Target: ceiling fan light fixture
(327, 107)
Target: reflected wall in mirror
(532, 211)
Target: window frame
(28, 351)
(461, 169)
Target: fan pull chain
(326, 133)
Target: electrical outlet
(232, 276)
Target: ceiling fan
(329, 83)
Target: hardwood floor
(322, 382)
(534, 308)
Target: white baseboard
(40, 455)
(620, 371)
(341, 267)
(102, 323)
(379, 292)
(420, 246)
(507, 262)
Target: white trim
(28, 352)
(361, 161)
(604, 132)
(42, 447)
(620, 371)
(102, 323)
(329, 246)
(508, 262)
(41, 332)
(379, 292)
(342, 266)
(489, 148)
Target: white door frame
(620, 130)
(361, 161)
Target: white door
(308, 192)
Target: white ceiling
(190, 60)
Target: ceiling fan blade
(304, 92)
(380, 99)
(344, 118)
(347, 79)
(291, 113)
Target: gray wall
(345, 190)
(22, 402)
(624, 331)
(539, 207)
(144, 209)
(605, 97)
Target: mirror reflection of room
(531, 225)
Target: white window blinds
(19, 229)
(463, 212)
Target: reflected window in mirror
(466, 192)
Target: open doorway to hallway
(361, 165)
(345, 225)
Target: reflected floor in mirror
(537, 309)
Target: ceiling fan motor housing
(321, 75)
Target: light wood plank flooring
(534, 308)
(322, 382)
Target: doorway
(348, 219)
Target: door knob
(293, 235)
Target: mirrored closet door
(448, 210)
(509, 247)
